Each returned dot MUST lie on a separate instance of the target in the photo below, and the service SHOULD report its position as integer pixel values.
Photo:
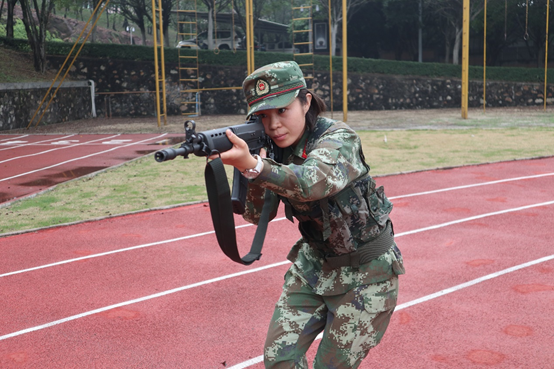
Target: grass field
(145, 184)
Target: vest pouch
(380, 206)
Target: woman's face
(285, 126)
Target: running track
(33, 163)
(152, 290)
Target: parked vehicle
(223, 41)
(187, 44)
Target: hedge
(321, 63)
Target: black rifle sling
(219, 197)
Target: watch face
(250, 173)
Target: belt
(365, 253)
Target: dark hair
(317, 106)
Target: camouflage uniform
(324, 183)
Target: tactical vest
(349, 220)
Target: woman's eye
(282, 110)
(262, 116)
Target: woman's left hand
(239, 155)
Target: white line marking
(115, 142)
(64, 142)
(432, 296)
(463, 220)
(57, 148)
(82, 157)
(38, 142)
(12, 138)
(164, 293)
(145, 298)
(105, 253)
(7, 143)
(472, 185)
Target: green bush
(321, 62)
(19, 31)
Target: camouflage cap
(273, 86)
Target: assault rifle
(215, 141)
(222, 204)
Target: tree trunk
(334, 29)
(39, 55)
(36, 30)
(9, 20)
(457, 46)
(143, 34)
(211, 42)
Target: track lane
(272, 285)
(135, 276)
(40, 171)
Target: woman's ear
(306, 106)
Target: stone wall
(19, 102)
(132, 88)
(127, 89)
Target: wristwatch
(254, 172)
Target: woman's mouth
(279, 137)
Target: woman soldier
(343, 280)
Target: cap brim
(276, 102)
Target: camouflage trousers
(352, 324)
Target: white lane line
(12, 138)
(202, 283)
(259, 359)
(145, 298)
(38, 142)
(463, 220)
(82, 157)
(471, 185)
(105, 253)
(57, 148)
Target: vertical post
(465, 60)
(344, 64)
(162, 60)
(420, 33)
(156, 66)
(485, 60)
(331, 50)
(249, 36)
(546, 53)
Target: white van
(223, 40)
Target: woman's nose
(273, 122)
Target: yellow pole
(162, 60)
(155, 36)
(344, 65)
(546, 52)
(465, 60)
(485, 62)
(249, 37)
(330, 60)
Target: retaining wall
(127, 89)
(19, 102)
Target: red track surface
(30, 164)
(153, 290)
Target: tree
(402, 23)
(9, 19)
(136, 11)
(214, 7)
(36, 29)
(452, 12)
(337, 16)
(534, 29)
(502, 28)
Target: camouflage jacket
(324, 183)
